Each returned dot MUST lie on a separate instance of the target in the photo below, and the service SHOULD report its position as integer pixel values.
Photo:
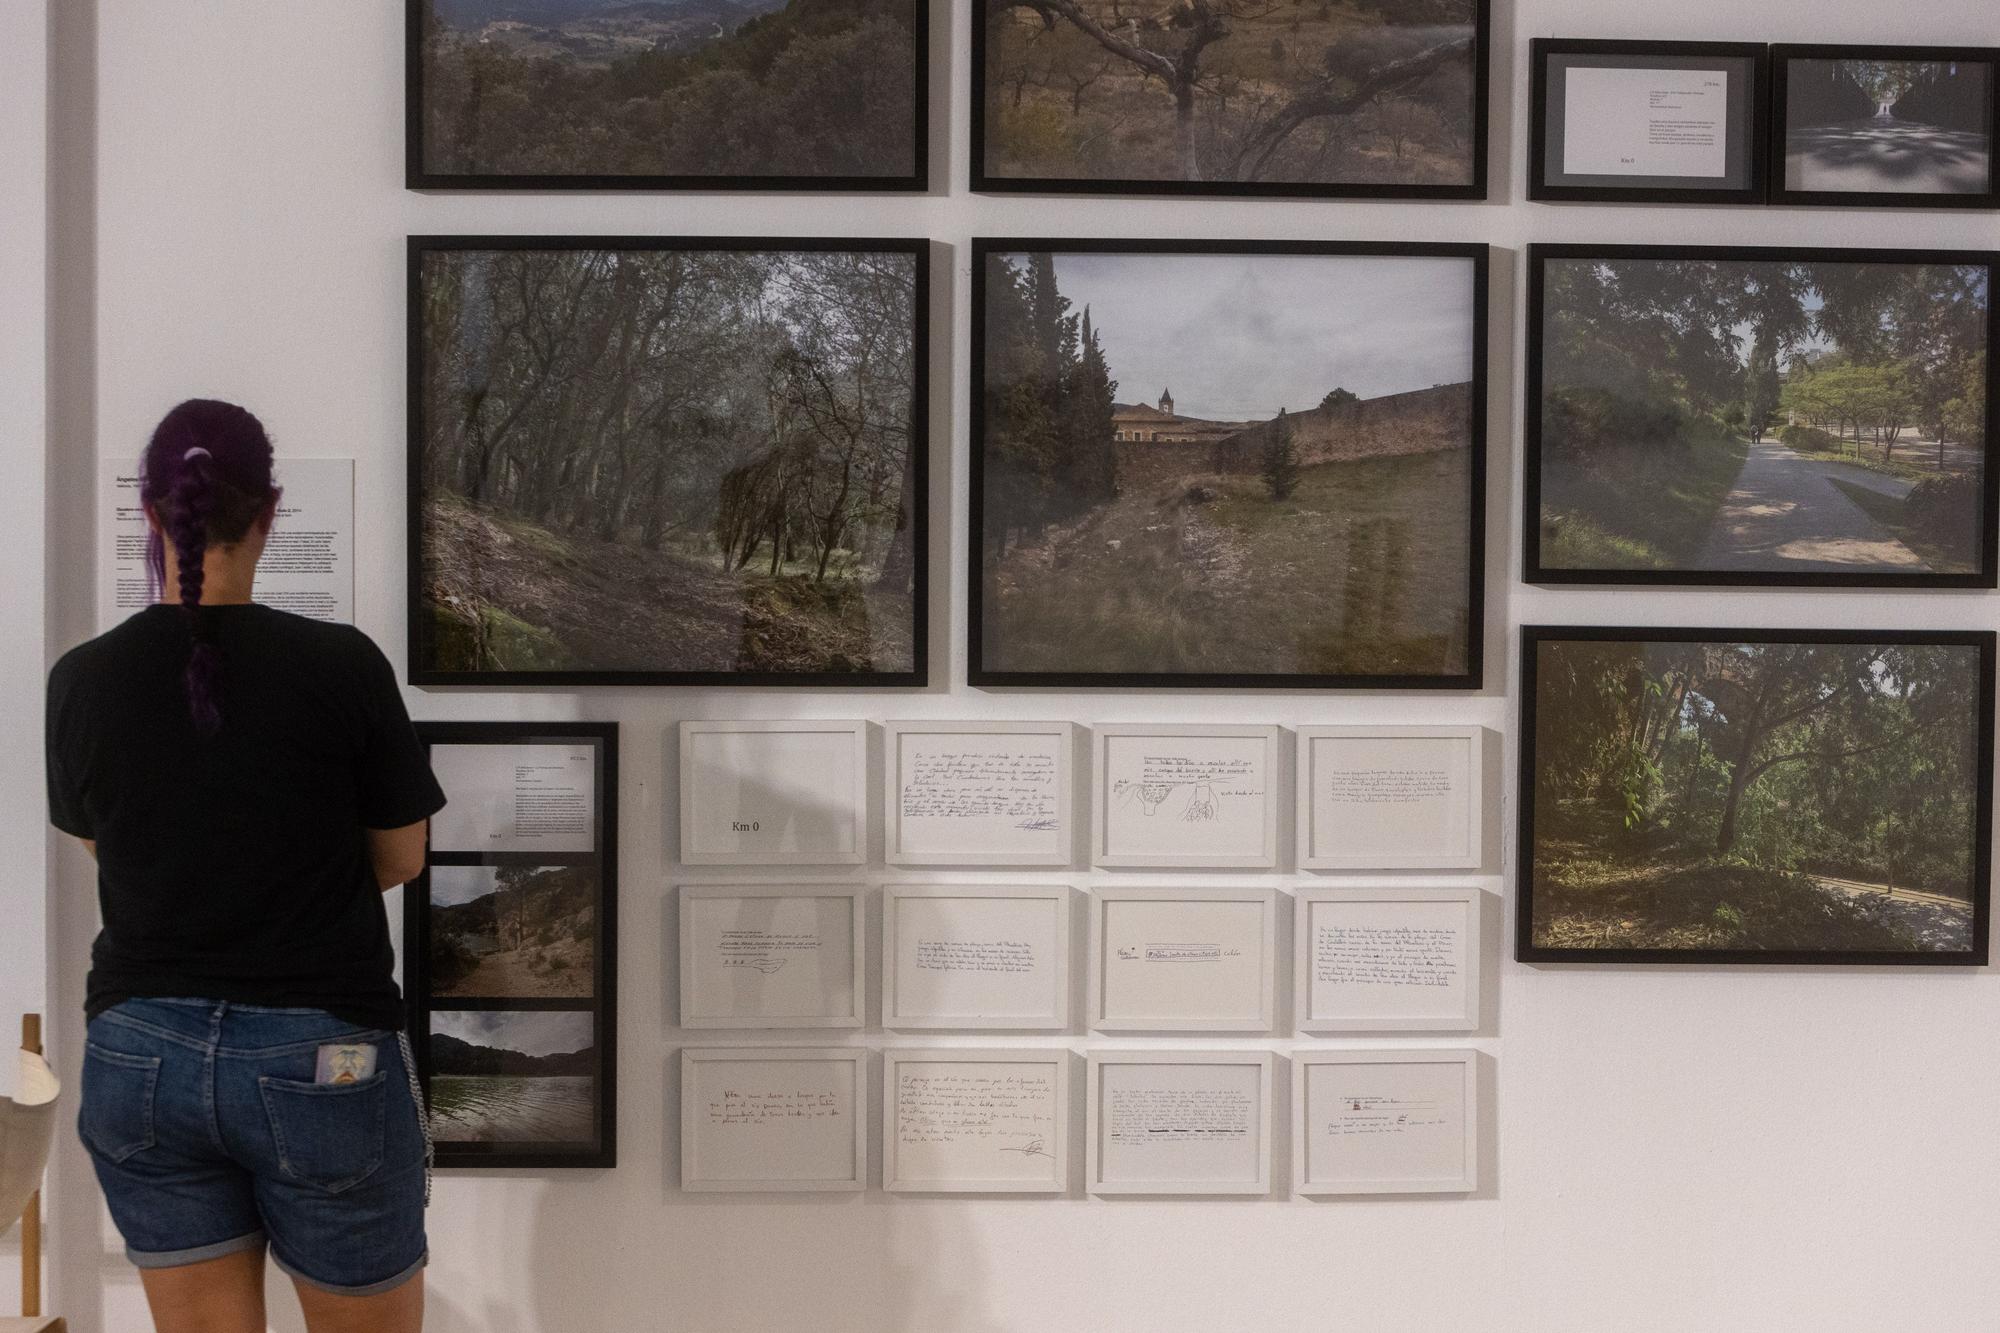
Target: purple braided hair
(207, 477)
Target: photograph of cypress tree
(1754, 796)
(1255, 464)
(1872, 124)
(661, 461)
(1772, 417)
(660, 94)
(1239, 97)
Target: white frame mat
(995, 955)
(693, 1121)
(780, 944)
(1095, 1155)
(1410, 790)
(794, 811)
(989, 786)
(1015, 1143)
(1372, 1128)
(1395, 959)
(1177, 805)
(1179, 947)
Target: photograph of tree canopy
(1869, 123)
(1355, 97)
(1785, 796)
(1760, 416)
(663, 461)
(1250, 464)
(606, 94)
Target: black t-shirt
(235, 866)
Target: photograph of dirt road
(1723, 416)
(513, 931)
(1889, 127)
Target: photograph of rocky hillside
(513, 932)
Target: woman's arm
(397, 853)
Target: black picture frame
(603, 1002)
(416, 177)
(1533, 568)
(1749, 153)
(1472, 678)
(1784, 54)
(421, 675)
(983, 182)
(1525, 948)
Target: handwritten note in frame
(774, 793)
(1194, 796)
(976, 958)
(771, 1118)
(1390, 798)
(1183, 960)
(977, 793)
(1178, 1122)
(1385, 1122)
(975, 1121)
(772, 956)
(1386, 959)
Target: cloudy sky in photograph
(453, 885)
(1237, 337)
(529, 1033)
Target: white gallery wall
(1673, 1149)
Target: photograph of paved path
(1786, 513)
(1884, 155)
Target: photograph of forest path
(513, 1077)
(1324, 92)
(1755, 796)
(1718, 415)
(668, 461)
(670, 87)
(1296, 499)
(513, 931)
(1888, 126)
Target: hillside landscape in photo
(513, 931)
(513, 1077)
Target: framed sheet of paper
(772, 1118)
(1386, 960)
(1385, 1122)
(1165, 796)
(977, 793)
(772, 956)
(975, 1121)
(774, 793)
(1178, 1122)
(1390, 798)
(1183, 960)
(975, 958)
(1650, 122)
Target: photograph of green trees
(666, 461)
(1232, 96)
(1249, 464)
(1788, 796)
(603, 93)
(1863, 126)
(1719, 416)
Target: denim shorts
(211, 1137)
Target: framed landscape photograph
(1886, 126)
(1763, 417)
(766, 1119)
(1386, 959)
(1183, 960)
(1391, 798)
(1178, 1122)
(976, 957)
(509, 946)
(978, 793)
(1171, 795)
(1385, 1122)
(697, 95)
(774, 793)
(1649, 122)
(660, 461)
(975, 1121)
(1354, 98)
(1755, 796)
(773, 956)
(1304, 506)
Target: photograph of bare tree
(665, 461)
(1755, 796)
(1233, 464)
(659, 94)
(1245, 97)
(1863, 124)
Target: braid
(188, 506)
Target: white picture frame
(1169, 795)
(1183, 960)
(1390, 798)
(741, 1129)
(1146, 1140)
(982, 1120)
(773, 956)
(1378, 1121)
(1386, 958)
(976, 957)
(958, 793)
(792, 793)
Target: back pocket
(328, 1135)
(118, 1090)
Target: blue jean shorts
(210, 1136)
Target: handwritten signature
(1032, 1148)
(1036, 825)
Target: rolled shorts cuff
(199, 1254)
(365, 1289)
